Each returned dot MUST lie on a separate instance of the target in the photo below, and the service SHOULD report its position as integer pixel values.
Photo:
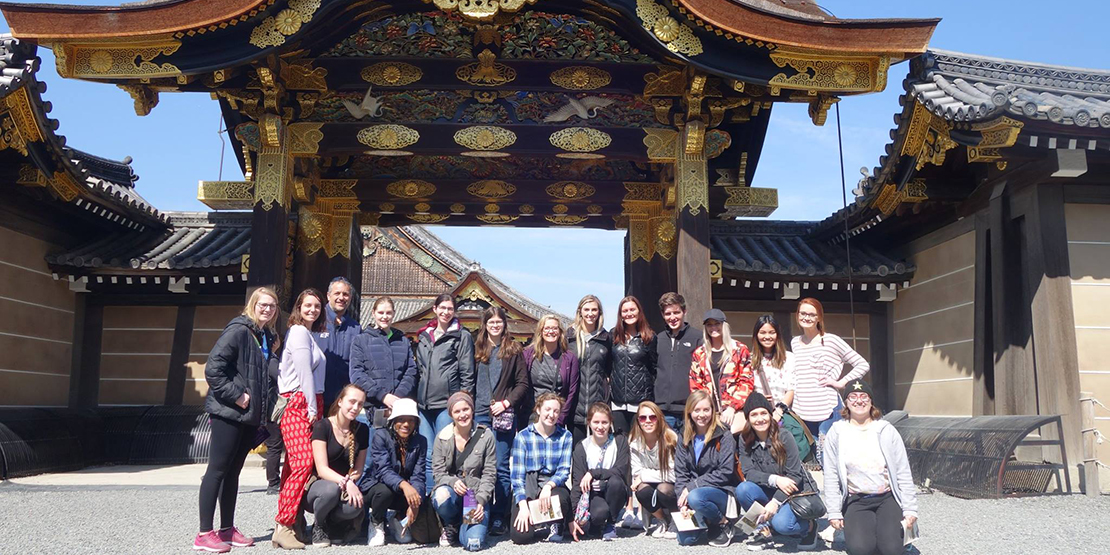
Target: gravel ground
(126, 519)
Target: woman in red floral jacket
(723, 366)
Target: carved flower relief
(844, 75)
(492, 208)
(100, 61)
(666, 29)
(410, 188)
(387, 207)
(527, 209)
(458, 208)
(559, 209)
(288, 21)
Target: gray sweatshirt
(897, 466)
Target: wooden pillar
(1014, 379)
(1048, 271)
(881, 340)
(328, 239)
(88, 329)
(649, 248)
(692, 207)
(983, 370)
(179, 354)
(269, 258)
(648, 280)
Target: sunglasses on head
(648, 418)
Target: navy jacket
(715, 469)
(336, 343)
(382, 364)
(385, 466)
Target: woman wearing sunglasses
(652, 446)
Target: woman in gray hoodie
(869, 490)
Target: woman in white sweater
(651, 445)
(301, 383)
(773, 365)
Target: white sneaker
(399, 532)
(376, 536)
(658, 530)
(672, 532)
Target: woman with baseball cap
(723, 367)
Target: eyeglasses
(648, 418)
(807, 315)
(266, 306)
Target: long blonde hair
(251, 312)
(726, 341)
(538, 350)
(666, 439)
(581, 336)
(690, 429)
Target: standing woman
(869, 489)
(593, 346)
(237, 404)
(723, 367)
(503, 389)
(705, 470)
(445, 357)
(634, 363)
(382, 363)
(600, 470)
(652, 446)
(552, 368)
(396, 477)
(339, 445)
(464, 463)
(773, 366)
(541, 468)
(301, 383)
(819, 359)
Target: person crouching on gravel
(705, 470)
(464, 464)
(396, 476)
(339, 445)
(541, 463)
(601, 471)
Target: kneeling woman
(540, 470)
(339, 445)
(396, 476)
(464, 463)
(869, 490)
(600, 470)
(652, 448)
(772, 472)
(705, 470)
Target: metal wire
(847, 239)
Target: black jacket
(594, 370)
(621, 471)
(446, 366)
(758, 464)
(675, 353)
(236, 364)
(382, 364)
(715, 469)
(515, 385)
(633, 378)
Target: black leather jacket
(633, 378)
(594, 369)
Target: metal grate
(35, 440)
(171, 435)
(975, 457)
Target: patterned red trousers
(295, 432)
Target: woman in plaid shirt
(540, 470)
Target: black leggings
(323, 500)
(658, 497)
(274, 448)
(607, 503)
(872, 524)
(229, 444)
(623, 421)
(560, 493)
(382, 498)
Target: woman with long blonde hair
(237, 404)
(723, 366)
(652, 445)
(552, 368)
(588, 340)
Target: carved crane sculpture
(585, 108)
(370, 106)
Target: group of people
(473, 435)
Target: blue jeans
(784, 522)
(502, 489)
(710, 505)
(440, 418)
(675, 422)
(450, 511)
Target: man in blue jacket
(336, 340)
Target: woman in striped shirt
(819, 359)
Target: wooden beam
(84, 381)
(179, 354)
(647, 281)
(881, 339)
(982, 402)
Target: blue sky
(179, 143)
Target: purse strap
(763, 381)
(466, 450)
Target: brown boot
(284, 538)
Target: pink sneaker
(210, 542)
(233, 537)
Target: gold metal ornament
(580, 78)
(410, 188)
(527, 209)
(492, 208)
(594, 209)
(226, 195)
(486, 72)
(392, 74)
(305, 138)
(273, 30)
(427, 218)
(388, 136)
(830, 72)
(559, 209)
(387, 207)
(491, 189)
(485, 137)
(580, 139)
(497, 218)
(565, 219)
(677, 37)
(458, 208)
(422, 207)
(128, 61)
(570, 190)
(480, 10)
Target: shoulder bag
(807, 503)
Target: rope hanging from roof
(847, 235)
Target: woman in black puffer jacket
(593, 346)
(634, 363)
(238, 402)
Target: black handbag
(807, 503)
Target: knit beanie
(459, 397)
(757, 401)
(861, 386)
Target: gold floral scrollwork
(387, 207)
(497, 218)
(669, 81)
(695, 138)
(226, 195)
(890, 197)
(927, 138)
(594, 209)
(580, 78)
(527, 209)
(676, 36)
(691, 176)
(458, 208)
(427, 218)
(565, 219)
(486, 72)
(30, 176)
(64, 186)
(480, 10)
(145, 98)
(997, 134)
(391, 74)
(666, 235)
(410, 188)
(337, 189)
(20, 127)
(484, 137)
(302, 76)
(570, 190)
(101, 60)
(491, 189)
(825, 72)
(559, 209)
(580, 139)
(388, 136)
(661, 144)
(304, 138)
(819, 108)
(422, 207)
(491, 208)
(274, 172)
(273, 30)
(750, 202)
